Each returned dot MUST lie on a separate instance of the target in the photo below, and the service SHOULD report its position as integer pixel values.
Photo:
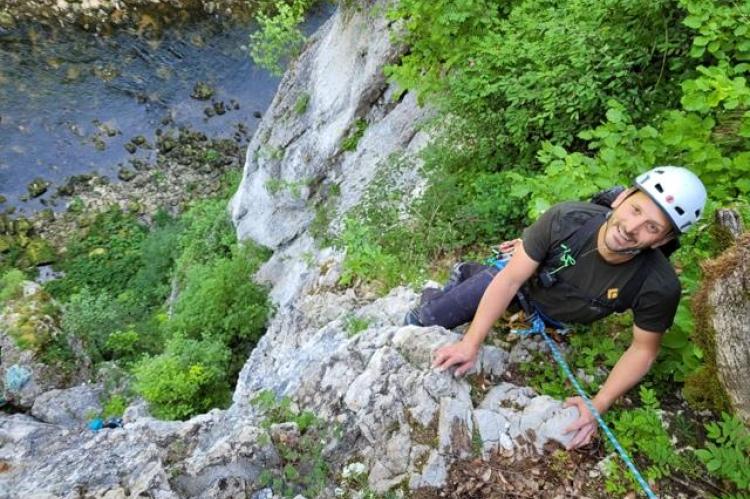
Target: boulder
(68, 407)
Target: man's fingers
(576, 425)
(463, 368)
(443, 361)
(583, 437)
(440, 357)
(570, 402)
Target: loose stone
(126, 174)
(202, 91)
(37, 187)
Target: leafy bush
(391, 240)
(278, 38)
(516, 74)
(727, 454)
(123, 345)
(150, 285)
(92, 317)
(114, 406)
(642, 433)
(207, 233)
(187, 379)
(104, 258)
(220, 300)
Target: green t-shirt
(655, 304)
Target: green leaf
(615, 116)
(559, 152)
(694, 22)
(697, 51)
(701, 41)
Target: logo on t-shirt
(612, 293)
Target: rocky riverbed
(104, 14)
(187, 165)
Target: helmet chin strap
(633, 251)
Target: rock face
(388, 414)
(725, 293)
(298, 154)
(403, 420)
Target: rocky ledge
(402, 421)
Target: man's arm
(494, 301)
(632, 366)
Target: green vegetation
(542, 102)
(114, 406)
(300, 105)
(640, 430)
(187, 379)
(172, 302)
(355, 325)
(294, 187)
(105, 259)
(11, 285)
(352, 140)
(728, 453)
(303, 469)
(278, 38)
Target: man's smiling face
(636, 223)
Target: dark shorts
(457, 303)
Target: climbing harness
(538, 323)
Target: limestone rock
(401, 419)
(725, 306)
(68, 407)
(340, 73)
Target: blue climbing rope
(538, 325)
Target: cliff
(377, 404)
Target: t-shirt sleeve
(656, 305)
(537, 237)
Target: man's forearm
(629, 370)
(495, 300)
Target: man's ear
(623, 196)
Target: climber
(579, 263)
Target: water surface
(70, 100)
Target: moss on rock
(39, 252)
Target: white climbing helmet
(678, 192)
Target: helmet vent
(679, 210)
(659, 188)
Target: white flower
(354, 470)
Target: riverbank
(188, 166)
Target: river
(72, 100)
